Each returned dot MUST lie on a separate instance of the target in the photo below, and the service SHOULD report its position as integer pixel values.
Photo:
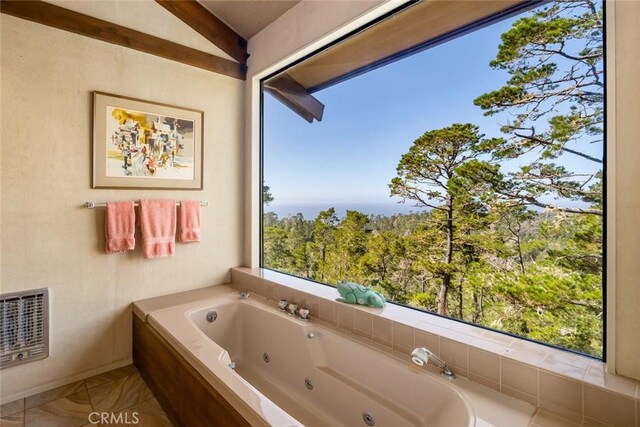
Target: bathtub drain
(266, 357)
(308, 383)
(368, 418)
(212, 316)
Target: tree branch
(562, 148)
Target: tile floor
(121, 392)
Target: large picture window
(462, 175)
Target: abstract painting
(143, 144)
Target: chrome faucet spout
(441, 363)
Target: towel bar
(91, 205)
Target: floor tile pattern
(121, 396)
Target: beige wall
(48, 240)
(627, 191)
(301, 30)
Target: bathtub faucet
(421, 356)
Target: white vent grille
(24, 327)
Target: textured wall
(48, 240)
(627, 193)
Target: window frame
(608, 195)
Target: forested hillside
(537, 275)
(510, 234)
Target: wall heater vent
(24, 327)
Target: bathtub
(281, 371)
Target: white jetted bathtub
(279, 370)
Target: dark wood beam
(209, 26)
(295, 108)
(295, 96)
(68, 20)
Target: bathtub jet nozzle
(421, 356)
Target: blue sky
(370, 121)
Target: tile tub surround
(121, 391)
(565, 386)
(183, 330)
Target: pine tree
(428, 175)
(555, 96)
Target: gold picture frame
(146, 145)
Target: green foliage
(477, 251)
(533, 274)
(267, 197)
(554, 97)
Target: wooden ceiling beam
(296, 97)
(209, 26)
(293, 107)
(78, 23)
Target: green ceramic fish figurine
(354, 293)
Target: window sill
(514, 366)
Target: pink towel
(158, 226)
(189, 221)
(119, 227)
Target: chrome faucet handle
(292, 309)
(304, 314)
(282, 304)
(244, 295)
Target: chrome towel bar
(91, 205)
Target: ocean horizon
(311, 210)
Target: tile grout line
(413, 336)
(582, 403)
(392, 334)
(538, 387)
(354, 320)
(533, 417)
(467, 361)
(500, 385)
(86, 387)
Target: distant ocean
(311, 210)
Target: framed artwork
(142, 144)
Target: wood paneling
(209, 26)
(68, 20)
(187, 398)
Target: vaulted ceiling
(227, 24)
(248, 17)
